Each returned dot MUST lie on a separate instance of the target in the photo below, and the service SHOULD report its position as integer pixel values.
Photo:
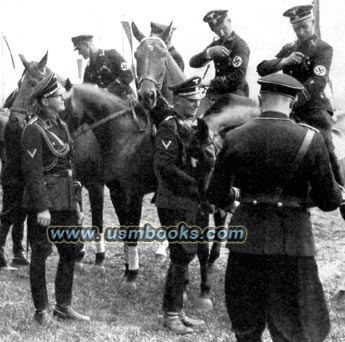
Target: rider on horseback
(309, 61)
(107, 68)
(230, 54)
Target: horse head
(156, 69)
(20, 100)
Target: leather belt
(271, 200)
(63, 173)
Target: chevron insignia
(32, 154)
(166, 145)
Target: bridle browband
(158, 84)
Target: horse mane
(228, 101)
(97, 100)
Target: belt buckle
(279, 204)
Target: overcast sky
(35, 26)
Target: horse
(156, 70)
(124, 160)
(21, 107)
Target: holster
(64, 192)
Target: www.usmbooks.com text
(179, 233)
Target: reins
(83, 128)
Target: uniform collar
(273, 115)
(310, 41)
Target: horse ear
(137, 33)
(203, 130)
(24, 61)
(166, 34)
(68, 84)
(43, 62)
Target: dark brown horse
(124, 157)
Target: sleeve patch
(166, 144)
(32, 153)
(237, 61)
(320, 70)
(124, 66)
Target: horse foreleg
(129, 213)
(204, 301)
(219, 221)
(96, 196)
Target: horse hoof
(185, 297)
(160, 258)
(79, 267)
(128, 287)
(204, 304)
(100, 256)
(100, 269)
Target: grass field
(119, 318)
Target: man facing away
(282, 168)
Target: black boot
(3, 262)
(338, 174)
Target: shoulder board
(308, 126)
(32, 120)
(289, 45)
(168, 118)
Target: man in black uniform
(230, 54)
(308, 60)
(156, 31)
(106, 68)
(50, 199)
(281, 167)
(12, 213)
(177, 197)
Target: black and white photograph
(172, 172)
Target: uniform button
(279, 204)
(291, 72)
(255, 202)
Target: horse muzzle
(147, 95)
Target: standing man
(230, 54)
(177, 198)
(50, 199)
(106, 68)
(156, 31)
(308, 60)
(280, 168)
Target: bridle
(158, 84)
(21, 110)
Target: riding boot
(336, 168)
(4, 228)
(3, 262)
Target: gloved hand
(217, 51)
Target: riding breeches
(41, 248)
(181, 254)
(12, 214)
(280, 291)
